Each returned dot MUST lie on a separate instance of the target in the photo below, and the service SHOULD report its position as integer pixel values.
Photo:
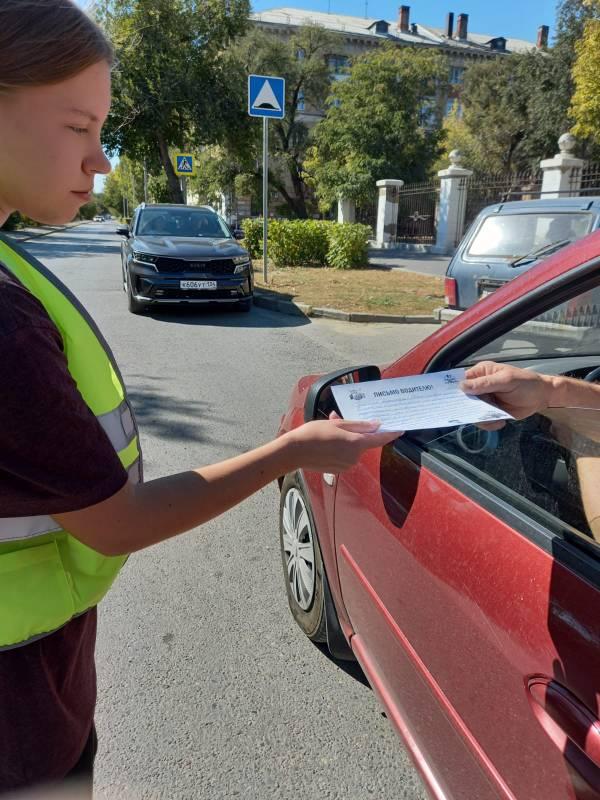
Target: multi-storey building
(359, 35)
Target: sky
(519, 19)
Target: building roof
(366, 26)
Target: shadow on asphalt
(225, 317)
(351, 668)
(61, 247)
(160, 413)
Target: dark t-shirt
(54, 457)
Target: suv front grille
(209, 266)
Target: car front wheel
(244, 305)
(134, 305)
(302, 562)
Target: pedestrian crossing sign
(266, 96)
(184, 164)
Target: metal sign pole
(265, 193)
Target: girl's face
(50, 145)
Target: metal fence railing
(417, 205)
(590, 180)
(416, 217)
(485, 190)
(366, 212)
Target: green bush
(297, 243)
(253, 236)
(310, 243)
(348, 245)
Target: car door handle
(572, 727)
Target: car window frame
(563, 543)
(517, 312)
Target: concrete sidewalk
(423, 263)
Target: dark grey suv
(183, 254)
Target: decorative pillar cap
(566, 144)
(389, 182)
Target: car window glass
(547, 465)
(570, 328)
(187, 222)
(509, 236)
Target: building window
(453, 106)
(300, 106)
(300, 54)
(457, 75)
(338, 65)
(428, 117)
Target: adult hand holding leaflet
(434, 400)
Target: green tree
(585, 105)
(373, 127)
(171, 86)
(457, 136)
(125, 182)
(302, 61)
(515, 108)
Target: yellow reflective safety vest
(47, 577)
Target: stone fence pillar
(562, 174)
(346, 211)
(452, 205)
(387, 212)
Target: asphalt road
(206, 687)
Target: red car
(461, 567)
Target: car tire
(135, 306)
(299, 544)
(244, 305)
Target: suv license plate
(197, 284)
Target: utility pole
(265, 194)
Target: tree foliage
(301, 60)
(172, 86)
(373, 127)
(125, 182)
(515, 108)
(585, 106)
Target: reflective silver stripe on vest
(118, 426)
(135, 471)
(120, 429)
(13, 528)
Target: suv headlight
(241, 264)
(144, 258)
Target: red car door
(472, 581)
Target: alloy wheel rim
(298, 548)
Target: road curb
(302, 310)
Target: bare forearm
(160, 509)
(139, 516)
(568, 392)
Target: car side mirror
(238, 233)
(319, 401)
(123, 230)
